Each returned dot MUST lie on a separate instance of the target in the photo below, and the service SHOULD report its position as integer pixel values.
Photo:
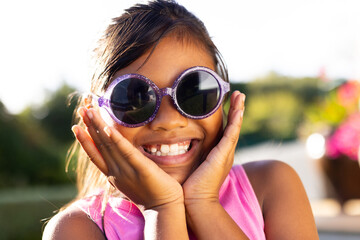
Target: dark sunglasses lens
(198, 93)
(133, 101)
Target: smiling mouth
(173, 149)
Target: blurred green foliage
(341, 101)
(33, 144)
(275, 105)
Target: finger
(95, 126)
(90, 148)
(235, 121)
(232, 131)
(109, 142)
(127, 150)
(233, 97)
(96, 133)
(236, 102)
(222, 156)
(227, 143)
(114, 145)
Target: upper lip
(154, 139)
(167, 141)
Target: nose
(168, 117)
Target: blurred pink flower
(346, 139)
(349, 93)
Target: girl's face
(170, 129)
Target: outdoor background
(298, 62)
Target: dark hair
(140, 29)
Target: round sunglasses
(133, 100)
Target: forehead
(168, 60)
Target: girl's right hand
(126, 168)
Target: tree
(33, 149)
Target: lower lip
(173, 160)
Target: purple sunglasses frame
(104, 101)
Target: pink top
(123, 220)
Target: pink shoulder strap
(249, 191)
(239, 200)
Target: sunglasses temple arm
(226, 87)
(95, 99)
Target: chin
(181, 175)
(180, 178)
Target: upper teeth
(168, 149)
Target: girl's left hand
(204, 184)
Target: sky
(46, 43)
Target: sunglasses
(133, 100)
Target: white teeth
(174, 147)
(164, 148)
(167, 150)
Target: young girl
(155, 160)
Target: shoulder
(269, 177)
(267, 167)
(282, 197)
(71, 223)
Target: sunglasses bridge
(166, 91)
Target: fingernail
(81, 112)
(107, 130)
(75, 130)
(89, 114)
(242, 114)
